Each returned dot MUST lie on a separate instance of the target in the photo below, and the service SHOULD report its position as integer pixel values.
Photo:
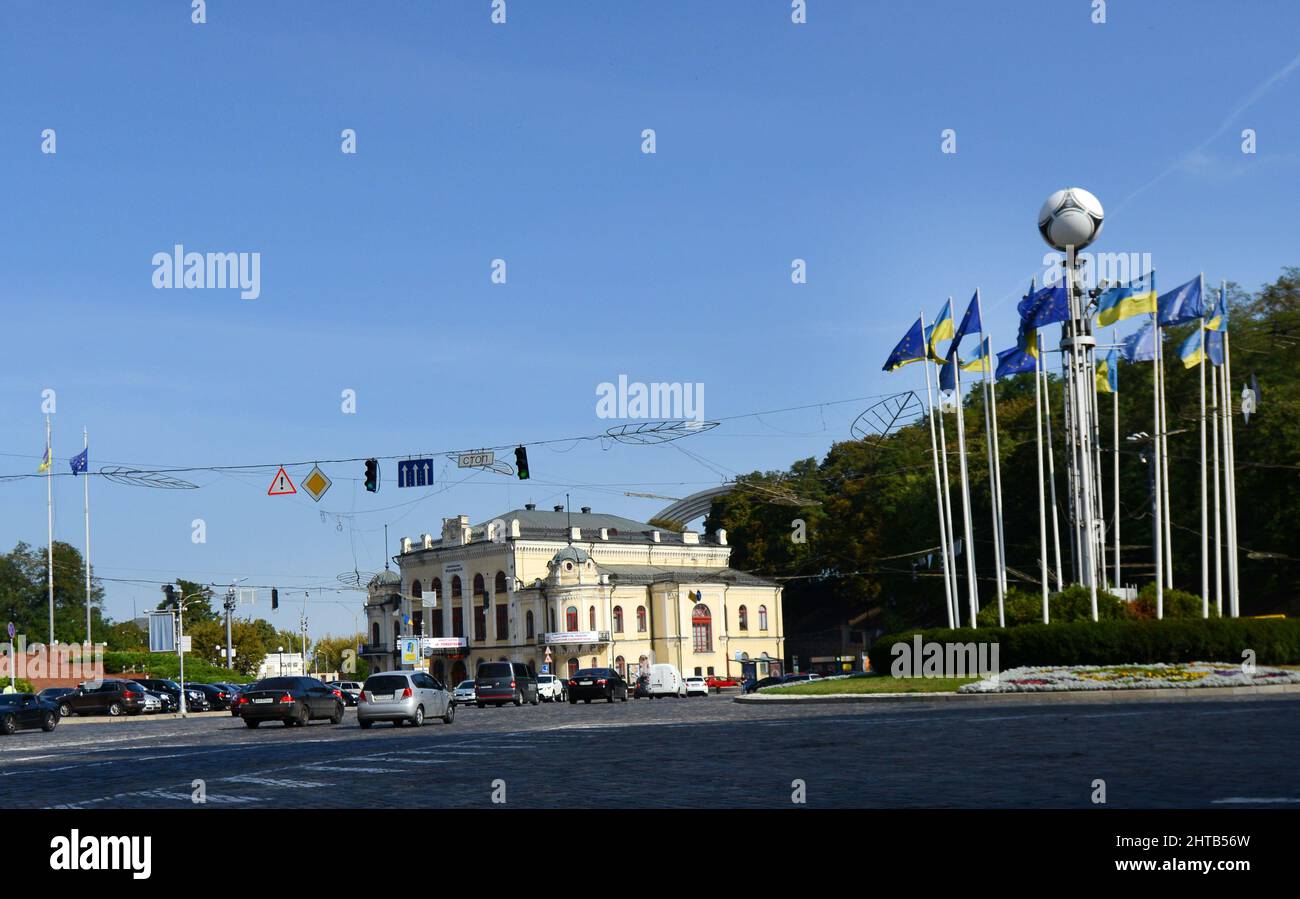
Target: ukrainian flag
(1192, 351)
(1218, 320)
(941, 330)
(45, 460)
(1121, 302)
(985, 360)
(1108, 373)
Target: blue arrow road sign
(415, 473)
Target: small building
(560, 591)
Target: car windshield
(544, 678)
(386, 683)
(465, 685)
(495, 669)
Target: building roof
(386, 578)
(572, 554)
(641, 575)
(537, 524)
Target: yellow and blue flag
(1108, 373)
(1182, 304)
(1192, 350)
(983, 362)
(910, 349)
(940, 330)
(1121, 302)
(45, 459)
(1218, 320)
(1020, 358)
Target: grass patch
(872, 684)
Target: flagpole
(947, 503)
(995, 464)
(972, 588)
(1234, 570)
(1157, 527)
(1163, 427)
(938, 484)
(1094, 408)
(1205, 530)
(1051, 466)
(1042, 502)
(49, 521)
(85, 486)
(1218, 512)
(1114, 439)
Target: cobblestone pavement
(681, 753)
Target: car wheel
(303, 717)
(64, 710)
(8, 724)
(519, 699)
(365, 725)
(50, 722)
(536, 699)
(624, 696)
(248, 722)
(418, 718)
(610, 697)
(337, 717)
(115, 710)
(451, 713)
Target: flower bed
(1129, 677)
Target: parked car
(502, 682)
(696, 686)
(112, 697)
(642, 688)
(346, 696)
(238, 698)
(151, 702)
(665, 680)
(551, 688)
(763, 682)
(22, 710)
(52, 694)
(352, 688)
(162, 685)
(291, 701)
(217, 698)
(596, 683)
(401, 696)
(716, 682)
(799, 678)
(464, 693)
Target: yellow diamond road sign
(315, 484)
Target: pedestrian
(9, 687)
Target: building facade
(560, 591)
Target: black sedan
(291, 701)
(217, 698)
(596, 683)
(20, 710)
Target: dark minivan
(114, 697)
(502, 682)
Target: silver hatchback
(400, 696)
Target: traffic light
(521, 463)
(275, 599)
(372, 475)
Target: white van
(666, 680)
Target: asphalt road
(682, 753)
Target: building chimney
(654, 535)
(586, 510)
(406, 545)
(604, 533)
(530, 506)
(559, 508)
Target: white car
(464, 693)
(351, 687)
(696, 686)
(151, 703)
(551, 688)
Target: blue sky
(523, 142)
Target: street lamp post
(180, 638)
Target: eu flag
(1140, 346)
(910, 349)
(79, 462)
(1046, 306)
(970, 322)
(1182, 304)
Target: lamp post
(180, 635)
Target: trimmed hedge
(1274, 641)
(166, 665)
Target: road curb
(1172, 694)
(122, 719)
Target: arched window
(595, 662)
(620, 665)
(571, 619)
(528, 623)
(762, 618)
(374, 633)
(702, 628)
(640, 619)
(573, 667)
(618, 619)
(550, 616)
(455, 586)
(479, 589)
(591, 618)
(499, 586)
(744, 618)
(416, 590)
(436, 587)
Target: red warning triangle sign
(281, 485)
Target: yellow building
(571, 591)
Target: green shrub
(1177, 604)
(1118, 642)
(1074, 603)
(166, 665)
(20, 685)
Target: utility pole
(230, 607)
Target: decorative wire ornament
(648, 433)
(886, 417)
(134, 477)
(777, 494)
(356, 580)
